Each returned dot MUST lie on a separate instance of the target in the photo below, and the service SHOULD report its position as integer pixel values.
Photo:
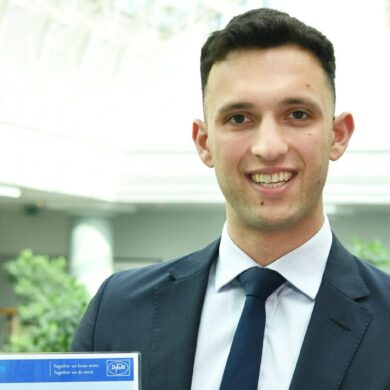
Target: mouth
(274, 180)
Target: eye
(237, 119)
(298, 115)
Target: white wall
(374, 225)
(162, 234)
(45, 232)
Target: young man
(269, 131)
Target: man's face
(269, 133)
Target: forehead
(265, 74)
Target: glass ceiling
(107, 90)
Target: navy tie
(243, 363)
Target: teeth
(279, 177)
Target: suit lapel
(177, 310)
(336, 327)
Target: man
(269, 131)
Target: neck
(266, 246)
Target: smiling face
(269, 133)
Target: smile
(271, 181)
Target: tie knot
(260, 282)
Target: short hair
(262, 29)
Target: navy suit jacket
(156, 310)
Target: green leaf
(374, 252)
(51, 303)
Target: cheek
(317, 144)
(319, 167)
(228, 150)
(316, 155)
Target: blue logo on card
(118, 367)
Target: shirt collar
(303, 267)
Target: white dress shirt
(288, 311)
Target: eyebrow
(301, 101)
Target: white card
(61, 371)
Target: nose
(269, 142)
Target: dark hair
(265, 28)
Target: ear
(343, 126)
(201, 138)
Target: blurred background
(97, 99)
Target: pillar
(91, 252)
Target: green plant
(373, 252)
(51, 304)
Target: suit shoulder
(148, 277)
(377, 280)
(372, 272)
(142, 277)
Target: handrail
(8, 311)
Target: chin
(274, 222)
